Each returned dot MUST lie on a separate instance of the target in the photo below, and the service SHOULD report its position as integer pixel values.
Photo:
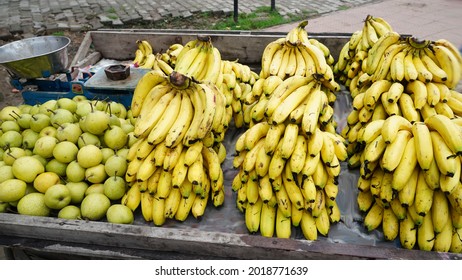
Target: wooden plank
(195, 242)
(245, 46)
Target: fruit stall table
(221, 233)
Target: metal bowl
(37, 57)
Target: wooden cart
(221, 234)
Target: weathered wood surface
(245, 46)
(137, 241)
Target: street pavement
(48, 16)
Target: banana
(374, 150)
(437, 73)
(292, 101)
(443, 239)
(132, 198)
(408, 111)
(199, 205)
(423, 196)
(455, 198)
(449, 183)
(209, 112)
(444, 109)
(323, 222)
(390, 224)
(391, 109)
(308, 226)
(448, 131)
(146, 205)
(143, 87)
(149, 62)
(158, 205)
(377, 51)
(283, 90)
(172, 201)
(376, 179)
(297, 159)
(277, 162)
(371, 131)
(160, 129)
(456, 244)
(262, 162)
(364, 184)
(164, 185)
(383, 69)
(184, 207)
(423, 74)
(180, 126)
(250, 158)
(289, 140)
(191, 135)
(449, 63)
(395, 150)
(374, 217)
(293, 192)
(172, 157)
(268, 55)
(283, 225)
(406, 166)
(423, 144)
(394, 92)
(425, 234)
(419, 91)
(196, 175)
(440, 211)
(312, 110)
(410, 71)
(392, 125)
(344, 56)
(318, 57)
(283, 201)
(255, 134)
(397, 66)
(273, 137)
(398, 209)
(267, 220)
(311, 164)
(374, 92)
(407, 233)
(139, 58)
(144, 126)
(364, 200)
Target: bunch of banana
(144, 55)
(171, 54)
(237, 85)
(296, 54)
(353, 55)
(287, 178)
(199, 60)
(175, 165)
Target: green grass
(263, 17)
(58, 33)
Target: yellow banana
(283, 225)
(374, 92)
(408, 111)
(423, 144)
(423, 196)
(443, 239)
(406, 194)
(132, 199)
(312, 111)
(291, 102)
(399, 210)
(448, 131)
(440, 211)
(423, 74)
(268, 56)
(289, 140)
(410, 71)
(180, 126)
(160, 129)
(184, 207)
(390, 224)
(394, 92)
(407, 233)
(392, 125)
(144, 85)
(146, 205)
(297, 159)
(158, 205)
(323, 222)
(437, 73)
(406, 166)
(425, 234)
(395, 150)
(267, 220)
(172, 201)
(273, 137)
(449, 63)
(378, 49)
